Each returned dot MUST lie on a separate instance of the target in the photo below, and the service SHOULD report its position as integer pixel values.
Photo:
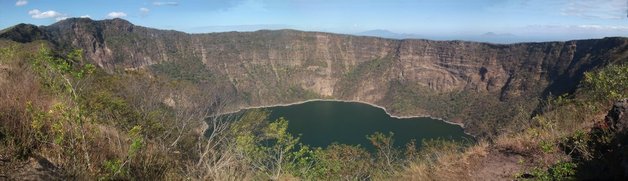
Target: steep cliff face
(407, 77)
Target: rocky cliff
(461, 81)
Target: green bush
(558, 171)
(269, 148)
(609, 83)
(342, 162)
(187, 69)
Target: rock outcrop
(608, 158)
(617, 117)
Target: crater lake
(321, 123)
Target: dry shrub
(19, 92)
(449, 161)
(524, 144)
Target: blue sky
(437, 19)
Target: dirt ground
(497, 166)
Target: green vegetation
(611, 83)
(558, 171)
(485, 115)
(298, 93)
(370, 70)
(189, 70)
(60, 108)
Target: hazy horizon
(497, 21)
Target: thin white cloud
(144, 11)
(61, 18)
(602, 27)
(601, 9)
(554, 32)
(21, 2)
(85, 16)
(167, 3)
(577, 29)
(37, 14)
(116, 15)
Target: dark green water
(321, 123)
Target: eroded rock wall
(283, 66)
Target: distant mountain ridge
(488, 37)
(455, 80)
(389, 34)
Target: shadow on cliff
(589, 55)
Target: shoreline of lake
(461, 125)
